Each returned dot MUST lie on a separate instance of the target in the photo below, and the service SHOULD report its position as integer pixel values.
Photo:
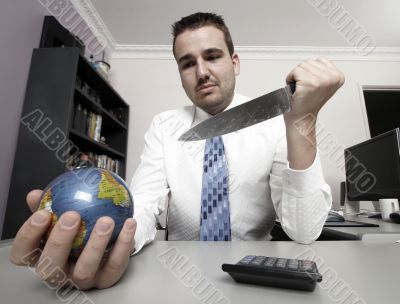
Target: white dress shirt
(262, 187)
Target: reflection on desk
(334, 216)
(190, 272)
(349, 223)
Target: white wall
(153, 85)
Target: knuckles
(55, 243)
(81, 276)
(327, 75)
(117, 265)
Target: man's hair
(199, 20)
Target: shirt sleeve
(149, 187)
(302, 198)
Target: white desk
(369, 270)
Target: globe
(93, 193)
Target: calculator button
(247, 259)
(281, 263)
(308, 265)
(258, 260)
(269, 262)
(293, 264)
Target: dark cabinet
(52, 138)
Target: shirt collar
(200, 115)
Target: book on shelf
(84, 122)
(77, 117)
(97, 160)
(87, 122)
(97, 130)
(91, 123)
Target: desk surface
(358, 232)
(367, 270)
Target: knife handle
(292, 86)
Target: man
(256, 156)
(274, 169)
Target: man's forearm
(301, 146)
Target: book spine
(77, 116)
(84, 124)
(97, 132)
(92, 122)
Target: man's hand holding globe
(89, 270)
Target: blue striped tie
(215, 216)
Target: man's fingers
(118, 259)
(88, 263)
(338, 75)
(313, 67)
(291, 77)
(326, 62)
(58, 246)
(25, 249)
(33, 199)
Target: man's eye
(213, 57)
(187, 65)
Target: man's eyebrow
(207, 52)
(213, 50)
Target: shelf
(85, 143)
(87, 72)
(97, 108)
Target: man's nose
(202, 70)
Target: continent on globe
(112, 189)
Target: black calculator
(276, 272)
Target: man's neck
(224, 106)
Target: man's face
(207, 70)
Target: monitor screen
(373, 168)
(383, 108)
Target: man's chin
(212, 98)
(212, 102)
(211, 107)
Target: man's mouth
(205, 87)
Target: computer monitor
(373, 168)
(382, 108)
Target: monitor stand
(351, 207)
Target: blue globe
(93, 192)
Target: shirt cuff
(301, 183)
(145, 234)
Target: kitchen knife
(245, 115)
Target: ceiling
(252, 22)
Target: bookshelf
(51, 138)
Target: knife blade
(245, 115)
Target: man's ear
(236, 63)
